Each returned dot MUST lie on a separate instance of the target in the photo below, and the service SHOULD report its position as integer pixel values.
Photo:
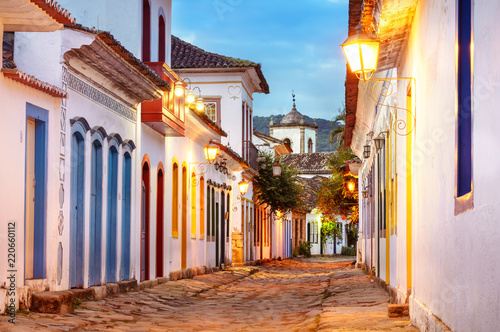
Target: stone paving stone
(289, 295)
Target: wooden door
(184, 220)
(111, 249)
(159, 225)
(95, 214)
(77, 210)
(126, 209)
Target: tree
(337, 134)
(334, 198)
(281, 193)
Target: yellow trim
(202, 208)
(175, 197)
(193, 205)
(396, 184)
(408, 193)
(228, 82)
(387, 208)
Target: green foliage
(333, 197)
(337, 133)
(348, 251)
(303, 249)
(261, 123)
(281, 193)
(330, 229)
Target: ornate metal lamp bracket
(385, 88)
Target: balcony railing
(250, 154)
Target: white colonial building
(429, 222)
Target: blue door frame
(126, 204)
(111, 257)
(40, 198)
(95, 214)
(77, 188)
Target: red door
(145, 223)
(159, 226)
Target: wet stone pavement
(292, 295)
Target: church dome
(293, 117)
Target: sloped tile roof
(186, 55)
(309, 163)
(128, 56)
(31, 81)
(54, 10)
(311, 188)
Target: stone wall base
(423, 319)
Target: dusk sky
(297, 43)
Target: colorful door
(159, 225)
(77, 209)
(35, 182)
(95, 214)
(222, 228)
(111, 257)
(145, 222)
(184, 220)
(126, 207)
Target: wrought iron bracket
(386, 89)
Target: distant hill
(260, 123)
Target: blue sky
(296, 41)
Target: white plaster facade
(442, 254)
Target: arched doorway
(145, 196)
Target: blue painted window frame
(41, 117)
(464, 105)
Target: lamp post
(211, 151)
(366, 151)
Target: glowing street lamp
(351, 186)
(179, 89)
(243, 185)
(361, 51)
(211, 150)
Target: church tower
(293, 129)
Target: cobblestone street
(290, 295)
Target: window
(463, 186)
(214, 214)
(212, 109)
(146, 31)
(202, 208)
(161, 39)
(310, 146)
(175, 199)
(288, 142)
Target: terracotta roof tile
(115, 45)
(54, 10)
(309, 163)
(311, 187)
(186, 55)
(33, 82)
(204, 117)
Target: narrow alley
(290, 295)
